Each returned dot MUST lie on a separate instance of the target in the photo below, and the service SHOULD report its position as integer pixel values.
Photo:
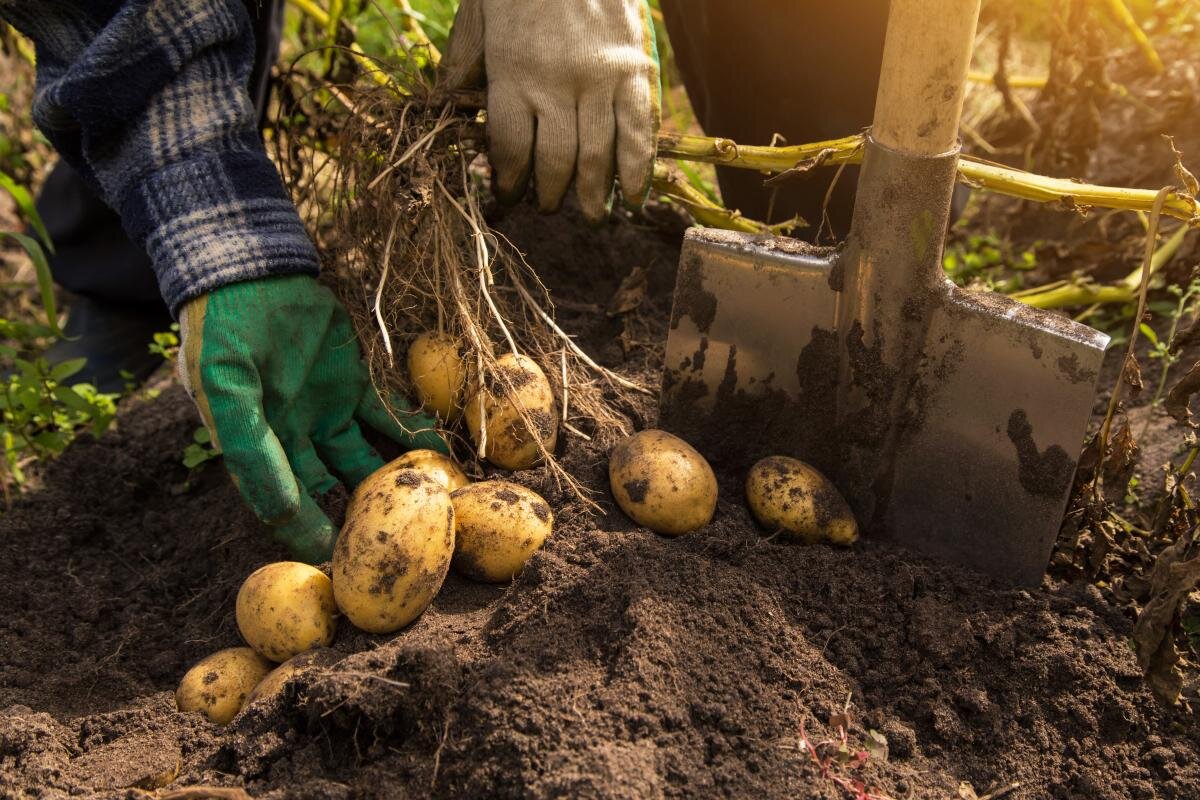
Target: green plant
(166, 343)
(39, 413)
(1165, 351)
(201, 450)
(988, 260)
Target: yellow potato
(510, 443)
(787, 495)
(434, 464)
(497, 526)
(217, 686)
(662, 483)
(394, 550)
(286, 608)
(297, 665)
(435, 366)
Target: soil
(620, 664)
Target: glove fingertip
(309, 535)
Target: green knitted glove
(274, 367)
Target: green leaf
(202, 436)
(194, 455)
(28, 208)
(54, 441)
(1149, 333)
(44, 279)
(73, 400)
(66, 369)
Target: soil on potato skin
(620, 664)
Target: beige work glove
(573, 92)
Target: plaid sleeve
(148, 100)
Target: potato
(497, 526)
(297, 665)
(510, 443)
(662, 483)
(286, 608)
(217, 686)
(394, 551)
(434, 464)
(787, 495)
(437, 371)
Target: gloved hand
(274, 366)
(573, 88)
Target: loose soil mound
(619, 665)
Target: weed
(201, 450)
(166, 343)
(39, 413)
(988, 261)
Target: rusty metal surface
(951, 420)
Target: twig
(383, 276)
(1131, 350)
(1125, 18)
(203, 793)
(996, 794)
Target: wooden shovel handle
(925, 63)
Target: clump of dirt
(619, 664)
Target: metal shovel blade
(982, 474)
(951, 420)
(752, 351)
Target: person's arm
(148, 99)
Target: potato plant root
(620, 664)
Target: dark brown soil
(619, 665)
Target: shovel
(950, 419)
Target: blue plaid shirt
(147, 99)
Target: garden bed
(620, 664)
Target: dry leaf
(877, 745)
(631, 293)
(1175, 574)
(1178, 398)
(1190, 184)
(1133, 375)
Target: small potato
(434, 464)
(297, 665)
(217, 686)
(787, 495)
(286, 608)
(394, 551)
(510, 443)
(497, 526)
(435, 366)
(662, 483)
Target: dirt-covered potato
(434, 464)
(511, 444)
(437, 371)
(497, 526)
(662, 483)
(286, 608)
(787, 495)
(297, 665)
(394, 551)
(218, 686)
